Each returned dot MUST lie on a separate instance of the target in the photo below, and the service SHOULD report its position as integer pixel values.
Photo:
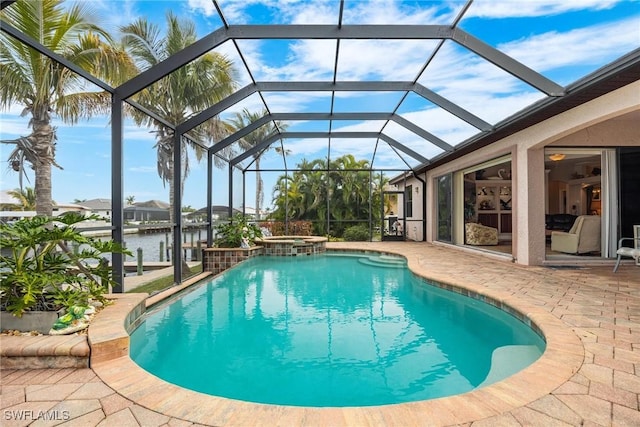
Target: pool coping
(562, 358)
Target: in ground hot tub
(292, 245)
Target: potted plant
(39, 273)
(237, 233)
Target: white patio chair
(631, 252)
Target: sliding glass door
(581, 182)
(444, 208)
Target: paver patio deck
(600, 308)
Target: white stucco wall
(414, 222)
(608, 121)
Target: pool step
(509, 359)
(343, 254)
(383, 261)
(391, 259)
(373, 260)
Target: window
(444, 208)
(408, 197)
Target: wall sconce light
(556, 157)
(417, 189)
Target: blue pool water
(330, 330)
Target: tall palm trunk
(43, 136)
(172, 198)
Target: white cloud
(309, 147)
(233, 10)
(133, 133)
(144, 169)
(364, 126)
(280, 102)
(205, 7)
(382, 59)
(311, 12)
(533, 8)
(279, 11)
(393, 12)
(13, 127)
(589, 45)
(127, 12)
(456, 74)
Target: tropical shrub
(38, 271)
(230, 235)
(343, 190)
(300, 228)
(296, 228)
(357, 233)
(275, 228)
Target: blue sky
(562, 40)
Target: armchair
(584, 236)
(632, 252)
(478, 234)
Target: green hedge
(357, 233)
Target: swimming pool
(330, 330)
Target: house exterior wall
(598, 123)
(414, 225)
(414, 222)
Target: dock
(134, 281)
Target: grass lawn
(162, 282)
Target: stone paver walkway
(601, 308)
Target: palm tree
(26, 198)
(244, 119)
(193, 87)
(46, 88)
(342, 193)
(130, 200)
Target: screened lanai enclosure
(297, 114)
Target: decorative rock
(80, 325)
(75, 320)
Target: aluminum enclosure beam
(5, 3)
(322, 32)
(239, 32)
(507, 63)
(452, 108)
(117, 191)
(264, 144)
(340, 86)
(332, 116)
(303, 135)
(378, 86)
(423, 133)
(392, 142)
(216, 109)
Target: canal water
(150, 244)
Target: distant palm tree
(342, 191)
(192, 88)
(130, 200)
(26, 198)
(244, 119)
(46, 88)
